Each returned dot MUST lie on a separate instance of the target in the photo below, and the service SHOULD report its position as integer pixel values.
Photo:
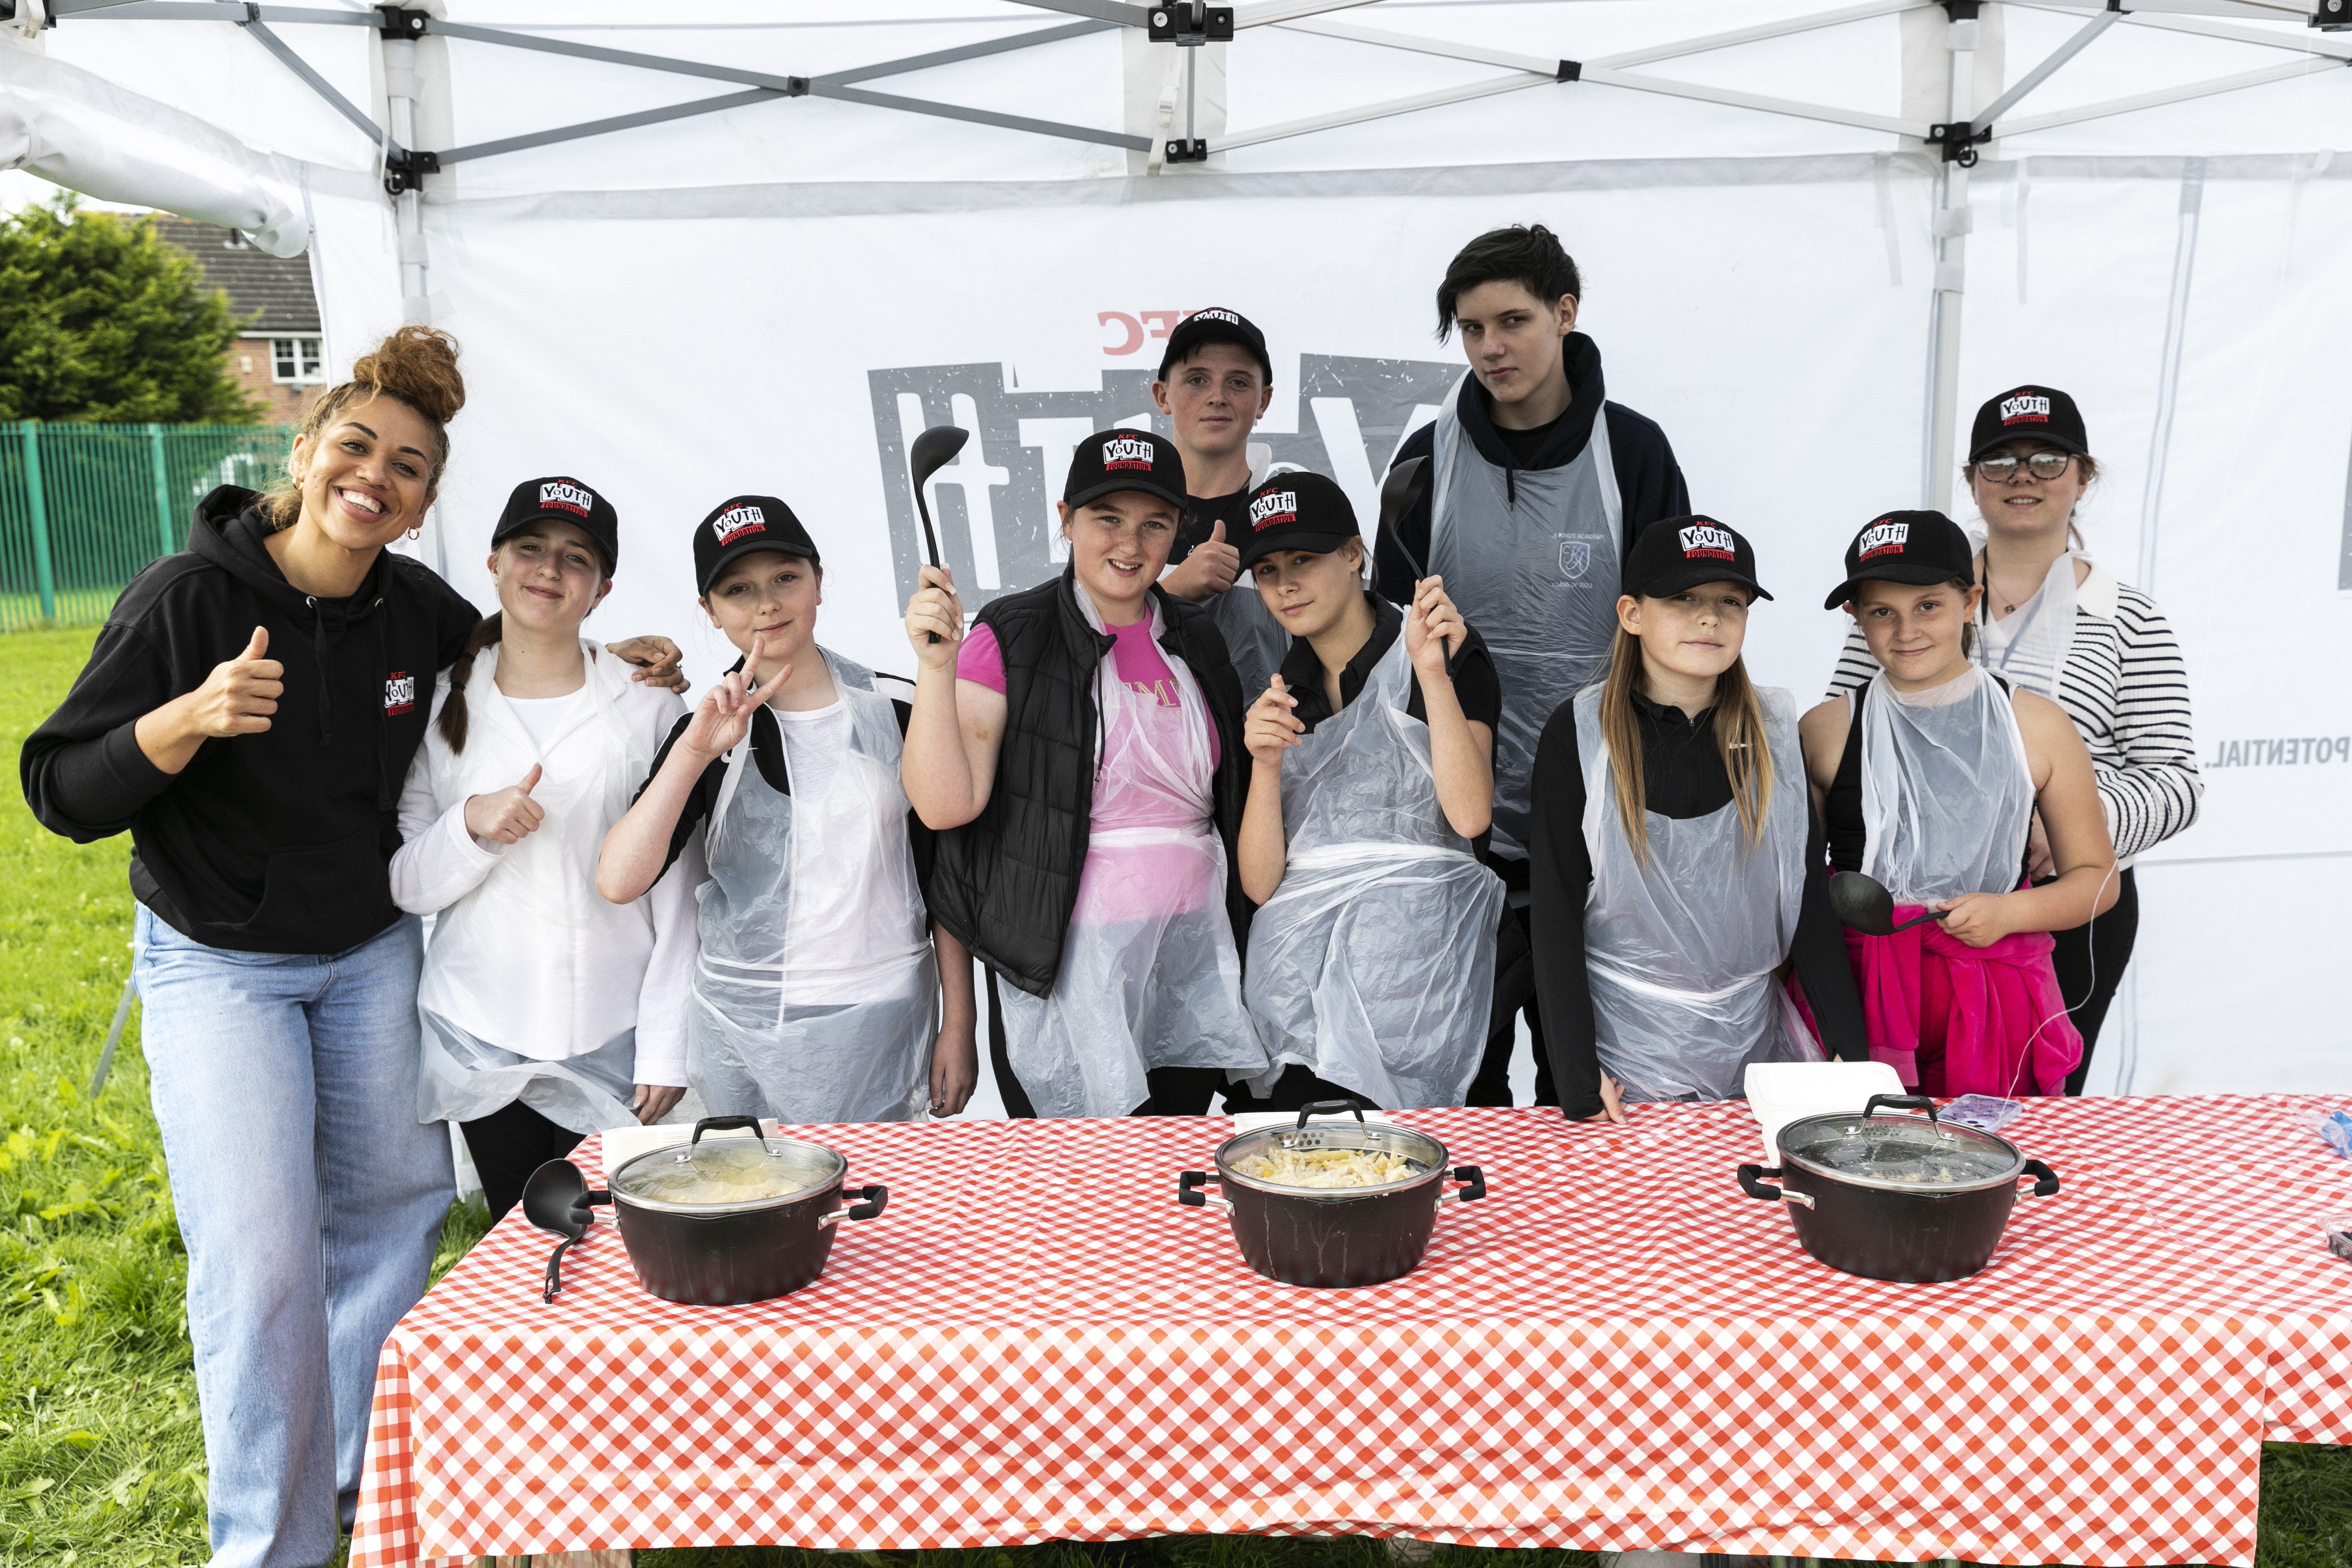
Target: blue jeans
(309, 1200)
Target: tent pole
(400, 101)
(1952, 230)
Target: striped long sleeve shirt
(2124, 684)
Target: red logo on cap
(565, 496)
(738, 520)
(1883, 539)
(1705, 541)
(1126, 452)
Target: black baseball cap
(561, 499)
(1679, 552)
(1214, 325)
(2042, 414)
(1906, 547)
(1298, 510)
(1115, 459)
(740, 525)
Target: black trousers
(507, 1145)
(1514, 993)
(1175, 1091)
(2089, 961)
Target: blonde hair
(1738, 737)
(416, 364)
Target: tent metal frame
(405, 165)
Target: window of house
(295, 361)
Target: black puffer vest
(1005, 882)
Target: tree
(102, 320)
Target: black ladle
(557, 1200)
(1863, 903)
(1402, 492)
(932, 451)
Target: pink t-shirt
(1140, 665)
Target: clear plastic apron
(1946, 798)
(1683, 951)
(1537, 575)
(1374, 964)
(525, 926)
(2029, 649)
(772, 1036)
(1149, 977)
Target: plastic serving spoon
(1400, 493)
(932, 452)
(555, 1199)
(1863, 903)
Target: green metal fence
(84, 506)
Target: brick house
(278, 359)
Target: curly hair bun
(419, 366)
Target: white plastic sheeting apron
(1531, 557)
(1150, 976)
(1374, 964)
(1947, 798)
(1682, 952)
(576, 1070)
(2029, 648)
(770, 1037)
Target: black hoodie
(275, 842)
(1649, 481)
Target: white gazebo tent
(708, 247)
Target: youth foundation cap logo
(1883, 539)
(738, 520)
(566, 494)
(1706, 541)
(2025, 408)
(1216, 314)
(1274, 507)
(1126, 452)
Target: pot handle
(876, 1196)
(719, 1123)
(1472, 1187)
(1187, 1191)
(1755, 1188)
(2045, 1183)
(580, 1206)
(1330, 1108)
(1900, 1102)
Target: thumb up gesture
(509, 815)
(1210, 570)
(238, 696)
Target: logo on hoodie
(399, 693)
(738, 520)
(1274, 507)
(1706, 541)
(1883, 539)
(1126, 452)
(566, 495)
(2029, 407)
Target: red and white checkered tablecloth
(1616, 1348)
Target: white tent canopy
(800, 233)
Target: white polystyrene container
(1782, 1092)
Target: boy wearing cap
(817, 994)
(1079, 751)
(1928, 781)
(539, 1029)
(1538, 487)
(1215, 382)
(1670, 842)
(1371, 957)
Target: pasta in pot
(1328, 1168)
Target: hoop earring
(416, 534)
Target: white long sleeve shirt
(526, 954)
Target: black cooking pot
(722, 1226)
(1894, 1197)
(1332, 1236)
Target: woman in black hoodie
(248, 713)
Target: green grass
(102, 1458)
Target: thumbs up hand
(238, 696)
(509, 815)
(1209, 571)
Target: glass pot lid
(1901, 1154)
(721, 1174)
(1342, 1160)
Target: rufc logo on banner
(565, 493)
(1883, 539)
(1707, 541)
(1274, 507)
(738, 520)
(1126, 452)
(2031, 409)
(399, 693)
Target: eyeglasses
(2040, 465)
